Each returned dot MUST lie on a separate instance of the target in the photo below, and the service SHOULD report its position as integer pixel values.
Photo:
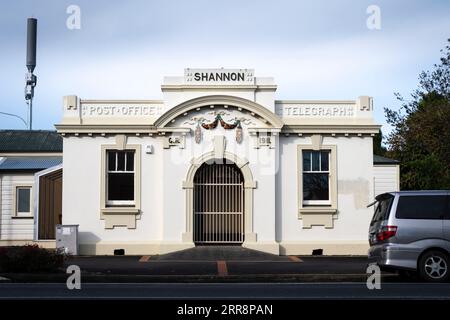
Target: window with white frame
(120, 177)
(316, 177)
(23, 201)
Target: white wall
(275, 202)
(14, 229)
(81, 190)
(275, 198)
(386, 178)
(264, 167)
(354, 188)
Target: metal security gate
(218, 204)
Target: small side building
(30, 186)
(386, 175)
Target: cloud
(314, 51)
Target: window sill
(120, 210)
(22, 217)
(317, 210)
(317, 216)
(120, 217)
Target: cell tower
(30, 78)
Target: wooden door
(50, 204)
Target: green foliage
(421, 135)
(29, 258)
(378, 147)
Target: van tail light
(386, 232)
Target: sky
(123, 49)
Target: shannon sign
(219, 76)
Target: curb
(121, 278)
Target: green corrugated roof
(30, 141)
(383, 160)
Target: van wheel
(434, 266)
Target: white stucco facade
(171, 139)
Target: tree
(378, 147)
(421, 130)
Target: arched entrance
(218, 202)
(249, 184)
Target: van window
(382, 210)
(421, 207)
(448, 208)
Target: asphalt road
(225, 291)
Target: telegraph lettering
(219, 76)
(318, 111)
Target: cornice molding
(176, 87)
(315, 102)
(337, 129)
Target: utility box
(67, 238)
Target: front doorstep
(153, 248)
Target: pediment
(226, 116)
(231, 110)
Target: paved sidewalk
(222, 261)
(230, 260)
(208, 263)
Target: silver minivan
(410, 230)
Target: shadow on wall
(88, 241)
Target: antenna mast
(30, 78)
